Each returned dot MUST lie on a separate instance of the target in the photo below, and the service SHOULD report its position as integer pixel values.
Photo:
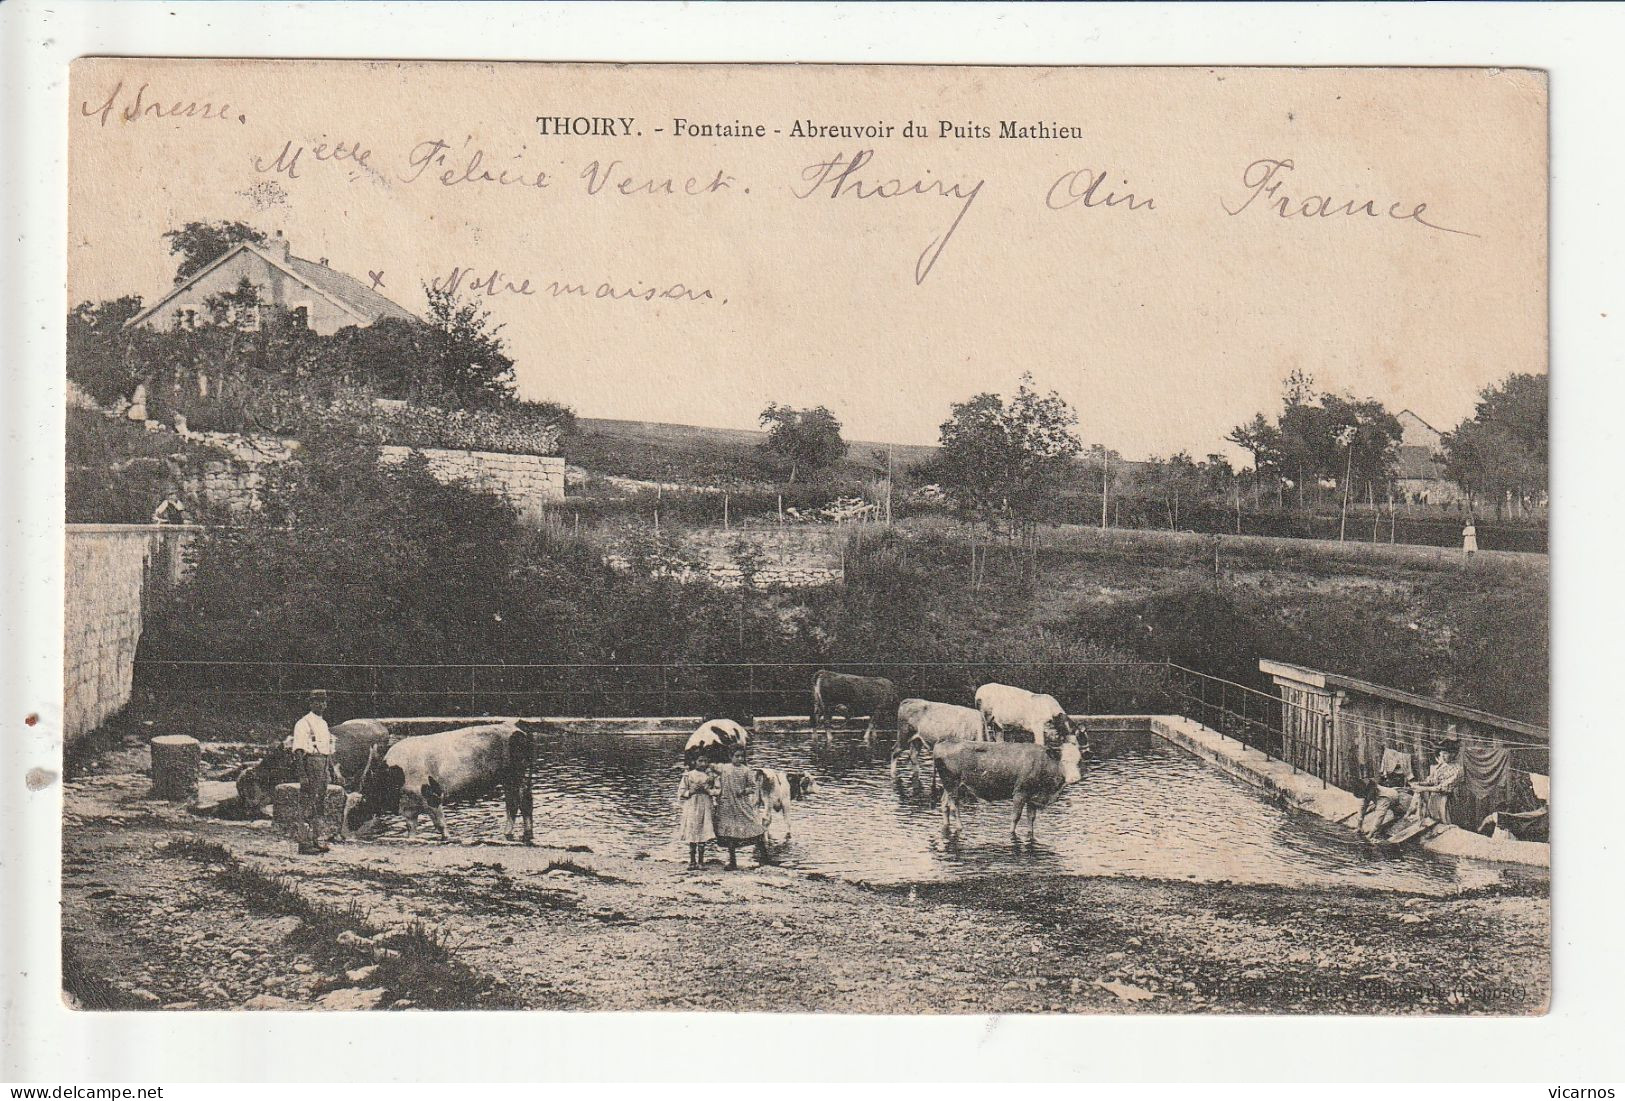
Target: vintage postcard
(843, 538)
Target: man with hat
(313, 764)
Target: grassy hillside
(707, 456)
(1475, 636)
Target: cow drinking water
(1031, 776)
(1016, 715)
(419, 774)
(874, 697)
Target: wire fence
(1265, 722)
(1305, 737)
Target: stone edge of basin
(1305, 792)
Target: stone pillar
(176, 762)
(285, 811)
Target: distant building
(312, 294)
(1421, 479)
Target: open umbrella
(716, 739)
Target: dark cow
(1016, 715)
(356, 743)
(922, 724)
(419, 774)
(874, 697)
(1031, 776)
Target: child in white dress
(695, 794)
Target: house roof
(348, 294)
(352, 292)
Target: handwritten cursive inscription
(836, 178)
(138, 108)
(598, 177)
(286, 161)
(496, 283)
(466, 165)
(1083, 186)
(1264, 178)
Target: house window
(300, 315)
(248, 318)
(186, 316)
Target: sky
(935, 268)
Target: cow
(1031, 776)
(921, 724)
(356, 744)
(716, 739)
(777, 788)
(419, 774)
(874, 697)
(1017, 715)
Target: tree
(466, 364)
(1262, 440)
(200, 244)
(804, 439)
(351, 559)
(1302, 431)
(98, 348)
(1362, 440)
(1502, 450)
(1004, 463)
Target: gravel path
(148, 925)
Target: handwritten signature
(836, 179)
(138, 108)
(1264, 179)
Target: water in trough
(1144, 808)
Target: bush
(118, 473)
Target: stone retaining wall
(795, 557)
(110, 569)
(528, 482)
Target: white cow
(419, 774)
(1016, 715)
(921, 724)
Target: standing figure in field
(313, 758)
(874, 697)
(696, 792)
(1469, 538)
(358, 745)
(739, 810)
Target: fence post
(473, 706)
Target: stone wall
(111, 568)
(529, 482)
(794, 557)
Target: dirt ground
(152, 919)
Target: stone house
(312, 293)
(1419, 475)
